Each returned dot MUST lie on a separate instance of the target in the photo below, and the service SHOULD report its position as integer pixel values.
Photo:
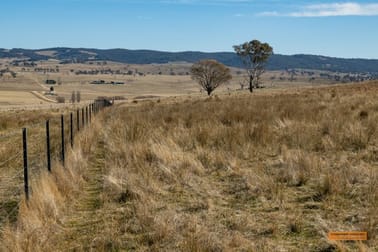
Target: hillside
(226, 173)
(277, 61)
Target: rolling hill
(277, 61)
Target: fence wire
(11, 154)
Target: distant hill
(276, 62)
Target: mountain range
(276, 61)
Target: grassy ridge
(239, 172)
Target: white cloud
(269, 14)
(330, 9)
(337, 9)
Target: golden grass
(18, 98)
(239, 172)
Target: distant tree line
(7, 70)
(23, 63)
(104, 71)
(47, 70)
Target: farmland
(170, 79)
(273, 170)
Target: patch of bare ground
(269, 172)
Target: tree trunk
(250, 84)
(209, 91)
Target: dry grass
(271, 172)
(11, 160)
(152, 83)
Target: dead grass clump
(200, 239)
(298, 167)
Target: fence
(42, 144)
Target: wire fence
(25, 154)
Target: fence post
(82, 115)
(78, 119)
(48, 145)
(90, 112)
(63, 145)
(25, 152)
(86, 114)
(71, 129)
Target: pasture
(161, 80)
(271, 171)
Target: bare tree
(254, 55)
(210, 74)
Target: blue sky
(333, 28)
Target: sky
(347, 29)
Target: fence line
(56, 141)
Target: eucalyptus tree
(254, 56)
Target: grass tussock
(267, 172)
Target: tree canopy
(210, 74)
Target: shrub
(60, 99)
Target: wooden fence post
(48, 145)
(25, 152)
(82, 115)
(78, 119)
(63, 145)
(71, 129)
(90, 112)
